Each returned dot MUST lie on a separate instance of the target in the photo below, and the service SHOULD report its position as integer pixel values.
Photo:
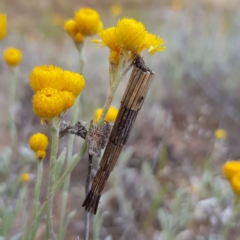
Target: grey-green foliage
(177, 217)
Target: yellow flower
(12, 56)
(68, 99)
(24, 177)
(220, 134)
(176, 4)
(40, 154)
(230, 168)
(48, 103)
(111, 114)
(71, 29)
(235, 183)
(116, 9)
(57, 19)
(153, 43)
(46, 76)
(108, 39)
(87, 21)
(73, 82)
(130, 35)
(38, 141)
(114, 57)
(3, 25)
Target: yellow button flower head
(111, 114)
(116, 9)
(220, 134)
(38, 142)
(24, 177)
(235, 183)
(73, 82)
(154, 43)
(46, 76)
(3, 25)
(12, 56)
(71, 29)
(48, 103)
(130, 35)
(87, 21)
(230, 168)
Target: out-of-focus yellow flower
(12, 56)
(176, 4)
(87, 21)
(230, 168)
(57, 20)
(40, 154)
(38, 141)
(130, 35)
(235, 184)
(154, 43)
(71, 29)
(3, 25)
(220, 134)
(116, 9)
(46, 76)
(111, 114)
(49, 103)
(24, 177)
(73, 82)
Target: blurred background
(167, 183)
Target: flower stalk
(12, 96)
(37, 189)
(58, 184)
(115, 76)
(54, 130)
(70, 145)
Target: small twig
(78, 129)
(87, 189)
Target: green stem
(72, 165)
(12, 96)
(70, 144)
(236, 210)
(37, 188)
(54, 129)
(115, 76)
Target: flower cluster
(231, 171)
(55, 90)
(111, 114)
(3, 26)
(131, 37)
(38, 142)
(86, 22)
(12, 56)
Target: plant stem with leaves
(12, 95)
(54, 129)
(70, 144)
